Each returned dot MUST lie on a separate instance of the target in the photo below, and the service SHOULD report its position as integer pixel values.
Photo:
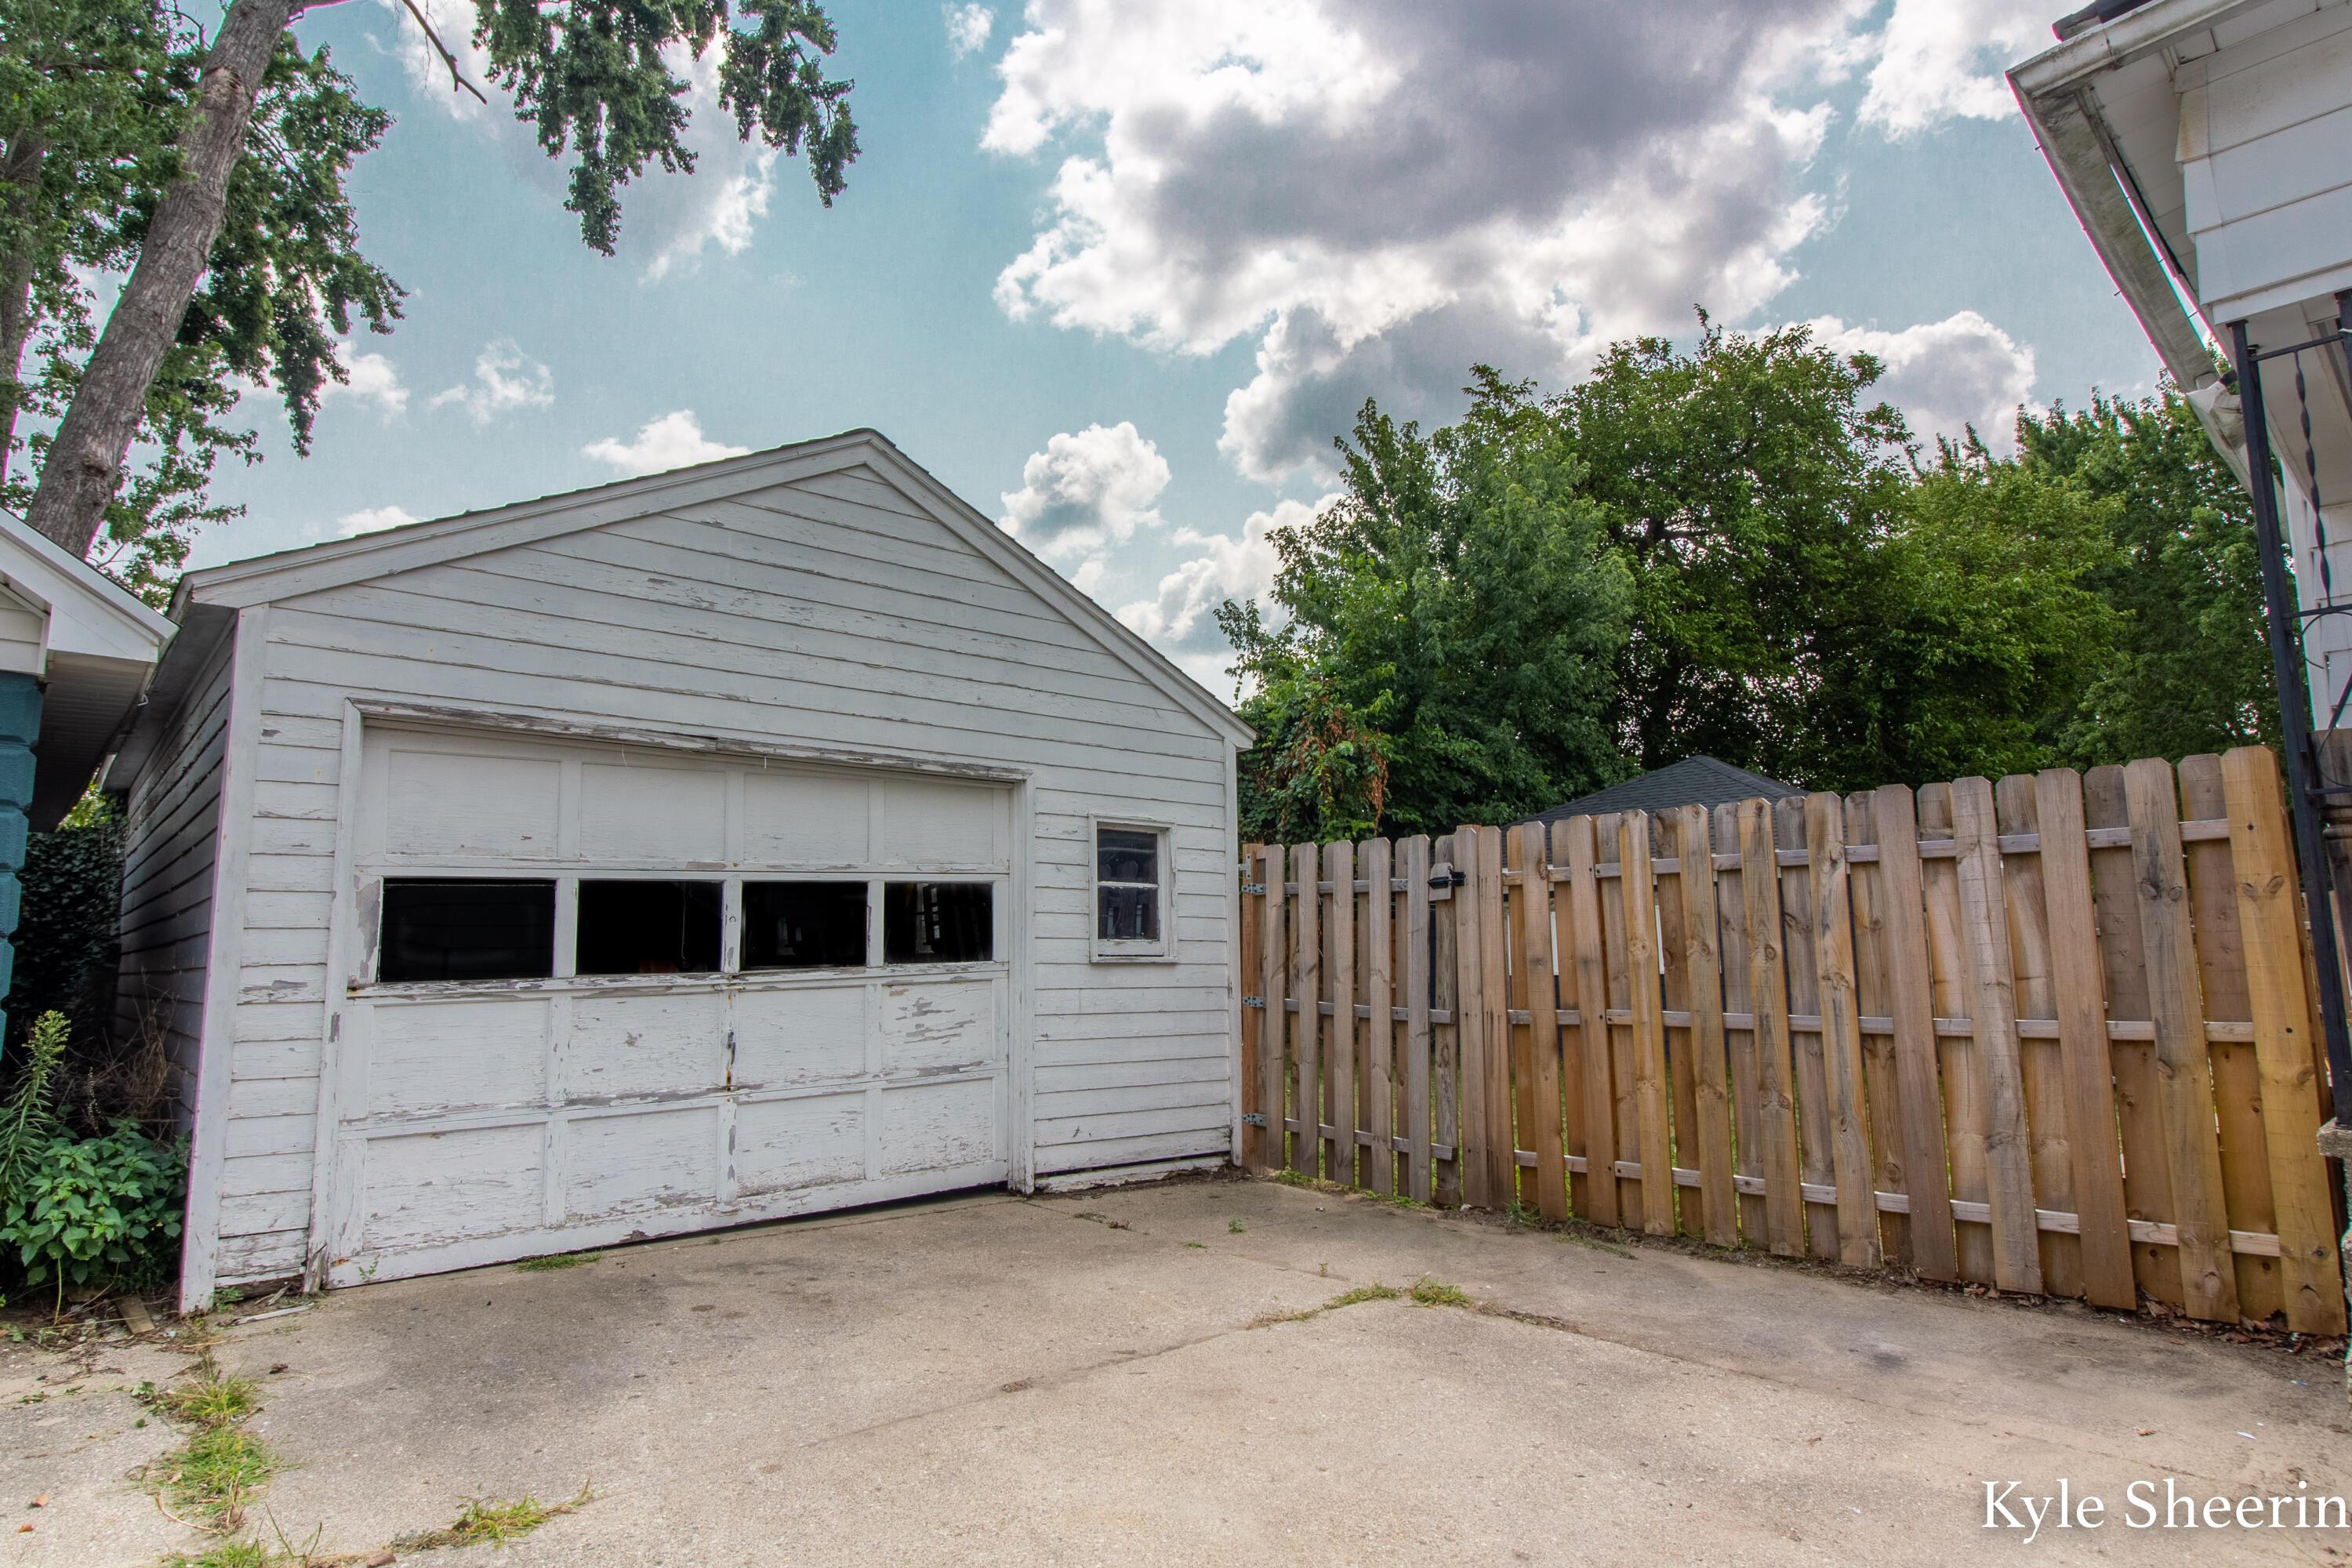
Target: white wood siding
(832, 612)
(171, 836)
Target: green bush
(94, 1209)
(66, 946)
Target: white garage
(765, 837)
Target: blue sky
(1118, 273)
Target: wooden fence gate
(2054, 1033)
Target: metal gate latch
(1252, 1119)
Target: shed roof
(1694, 781)
(207, 599)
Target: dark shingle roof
(1694, 781)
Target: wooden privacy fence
(2054, 1034)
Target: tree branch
(455, 80)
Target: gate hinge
(1252, 1119)
(1252, 1001)
(1253, 887)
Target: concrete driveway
(1094, 1378)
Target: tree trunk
(20, 172)
(85, 459)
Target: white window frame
(1101, 950)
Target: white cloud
(373, 380)
(968, 27)
(503, 381)
(673, 441)
(1945, 376)
(1087, 491)
(1178, 619)
(1942, 59)
(370, 521)
(1379, 202)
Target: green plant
(211, 1477)
(1236, 1227)
(496, 1520)
(28, 1123)
(1435, 1293)
(91, 1209)
(559, 1260)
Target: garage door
(601, 992)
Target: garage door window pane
(939, 922)
(447, 929)
(648, 927)
(804, 925)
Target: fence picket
(1483, 1056)
(1844, 1121)
(1251, 976)
(2237, 1073)
(1495, 1010)
(1709, 1062)
(1880, 1079)
(1540, 1118)
(1595, 1094)
(1517, 853)
(1767, 988)
(2266, 884)
(1654, 1139)
(1445, 979)
(1968, 1112)
(1993, 1017)
(1274, 985)
(1815, 1162)
(1307, 991)
(2103, 1244)
(1740, 1043)
(1413, 858)
(2185, 1073)
(1375, 859)
(1911, 1003)
(1673, 974)
(2049, 1155)
(1338, 915)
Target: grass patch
(1435, 1293)
(493, 1520)
(549, 1265)
(209, 1401)
(230, 1554)
(1375, 1292)
(1234, 1227)
(210, 1480)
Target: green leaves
(97, 1208)
(595, 77)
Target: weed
(228, 1554)
(1294, 1179)
(1236, 1227)
(1435, 1292)
(1598, 1246)
(1518, 1213)
(210, 1401)
(1394, 1200)
(496, 1521)
(212, 1475)
(1198, 1245)
(559, 1260)
(1375, 1292)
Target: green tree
(1746, 484)
(2190, 671)
(1976, 633)
(1452, 626)
(184, 157)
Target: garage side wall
(832, 612)
(171, 839)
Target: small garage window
(804, 925)
(451, 929)
(1130, 892)
(648, 927)
(939, 922)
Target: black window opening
(939, 922)
(1126, 885)
(804, 925)
(456, 928)
(648, 927)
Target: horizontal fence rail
(2054, 1033)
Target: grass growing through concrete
(208, 1479)
(559, 1260)
(496, 1520)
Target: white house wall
(170, 834)
(830, 614)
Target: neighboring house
(1694, 781)
(77, 650)
(769, 836)
(2206, 146)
